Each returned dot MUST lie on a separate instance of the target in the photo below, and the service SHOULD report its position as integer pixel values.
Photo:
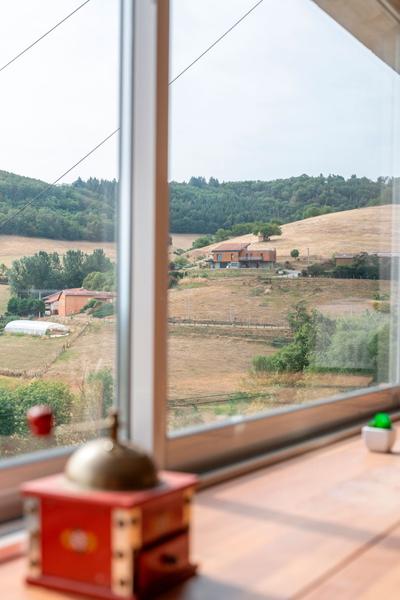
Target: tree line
(205, 207)
(50, 271)
(83, 210)
(87, 210)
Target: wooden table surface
(324, 526)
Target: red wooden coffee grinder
(111, 526)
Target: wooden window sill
(322, 525)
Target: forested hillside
(85, 210)
(203, 207)
(80, 211)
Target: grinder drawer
(163, 565)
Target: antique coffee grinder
(111, 526)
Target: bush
(7, 319)
(25, 307)
(106, 310)
(7, 412)
(55, 394)
(381, 306)
(202, 241)
(296, 355)
(180, 262)
(91, 304)
(103, 382)
(261, 363)
(99, 281)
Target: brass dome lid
(107, 464)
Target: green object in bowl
(381, 420)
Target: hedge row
(14, 404)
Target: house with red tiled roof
(72, 300)
(242, 255)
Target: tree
(180, 262)
(73, 268)
(25, 307)
(266, 230)
(202, 241)
(97, 261)
(45, 271)
(295, 253)
(41, 271)
(104, 282)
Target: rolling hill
(360, 230)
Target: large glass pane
(281, 211)
(57, 223)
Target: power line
(216, 41)
(50, 185)
(10, 62)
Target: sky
(287, 92)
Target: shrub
(25, 307)
(53, 393)
(7, 412)
(106, 310)
(103, 382)
(91, 304)
(381, 306)
(100, 281)
(7, 319)
(261, 363)
(202, 241)
(180, 262)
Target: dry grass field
(184, 240)
(210, 368)
(27, 356)
(200, 365)
(94, 350)
(359, 230)
(88, 348)
(13, 247)
(251, 394)
(251, 297)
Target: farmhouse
(385, 259)
(343, 260)
(71, 301)
(242, 255)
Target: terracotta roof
(79, 292)
(53, 297)
(83, 292)
(231, 247)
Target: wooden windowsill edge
(12, 545)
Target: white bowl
(378, 440)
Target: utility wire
(50, 185)
(216, 41)
(10, 62)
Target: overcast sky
(287, 92)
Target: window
(58, 219)
(219, 408)
(281, 137)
